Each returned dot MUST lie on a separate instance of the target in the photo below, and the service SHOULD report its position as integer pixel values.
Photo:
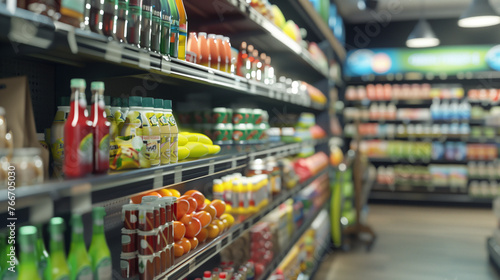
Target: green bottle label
(85, 273)
(103, 269)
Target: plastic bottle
(464, 109)
(109, 17)
(78, 138)
(214, 52)
(134, 22)
(134, 124)
(235, 191)
(252, 188)
(242, 60)
(269, 77)
(174, 29)
(150, 131)
(218, 189)
(57, 267)
(164, 132)
(156, 8)
(183, 29)
(229, 56)
(228, 193)
(243, 196)
(222, 276)
(146, 21)
(42, 255)
(107, 105)
(100, 129)
(204, 58)
(224, 59)
(207, 275)
(57, 136)
(99, 252)
(249, 62)
(255, 64)
(121, 29)
(118, 117)
(193, 50)
(78, 258)
(174, 131)
(125, 107)
(72, 12)
(28, 267)
(165, 28)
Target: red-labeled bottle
(100, 129)
(242, 59)
(78, 139)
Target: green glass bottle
(7, 260)
(79, 264)
(100, 256)
(41, 253)
(174, 28)
(165, 28)
(28, 266)
(57, 267)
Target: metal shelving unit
(464, 138)
(412, 197)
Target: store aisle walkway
(419, 243)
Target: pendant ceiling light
(422, 36)
(479, 14)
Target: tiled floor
(415, 243)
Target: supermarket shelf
(493, 251)
(319, 259)
(367, 102)
(459, 199)
(55, 41)
(416, 77)
(240, 21)
(304, 14)
(188, 263)
(87, 191)
(419, 161)
(406, 121)
(295, 238)
(464, 138)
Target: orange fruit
(164, 192)
(213, 231)
(198, 196)
(178, 250)
(193, 228)
(202, 236)
(219, 224)
(154, 194)
(192, 203)
(186, 219)
(229, 218)
(194, 242)
(175, 192)
(204, 217)
(185, 244)
(179, 230)
(181, 208)
(137, 199)
(220, 206)
(211, 210)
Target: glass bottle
(174, 29)
(44, 7)
(165, 28)
(109, 17)
(78, 259)
(241, 61)
(41, 252)
(204, 58)
(255, 64)
(95, 15)
(229, 54)
(193, 50)
(214, 52)
(146, 21)
(249, 62)
(78, 139)
(99, 250)
(57, 268)
(100, 129)
(222, 52)
(134, 22)
(151, 131)
(156, 26)
(121, 29)
(28, 266)
(174, 131)
(183, 29)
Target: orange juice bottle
(204, 58)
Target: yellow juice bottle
(151, 132)
(243, 194)
(236, 188)
(228, 191)
(251, 195)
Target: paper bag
(15, 98)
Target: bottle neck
(56, 243)
(28, 254)
(98, 228)
(78, 101)
(77, 235)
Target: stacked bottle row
(36, 263)
(130, 133)
(156, 25)
(148, 237)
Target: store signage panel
(449, 60)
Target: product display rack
(406, 121)
(441, 198)
(467, 139)
(188, 263)
(309, 219)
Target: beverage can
(130, 214)
(129, 239)
(148, 242)
(219, 115)
(257, 116)
(157, 263)
(240, 116)
(220, 133)
(146, 218)
(240, 133)
(128, 265)
(146, 267)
